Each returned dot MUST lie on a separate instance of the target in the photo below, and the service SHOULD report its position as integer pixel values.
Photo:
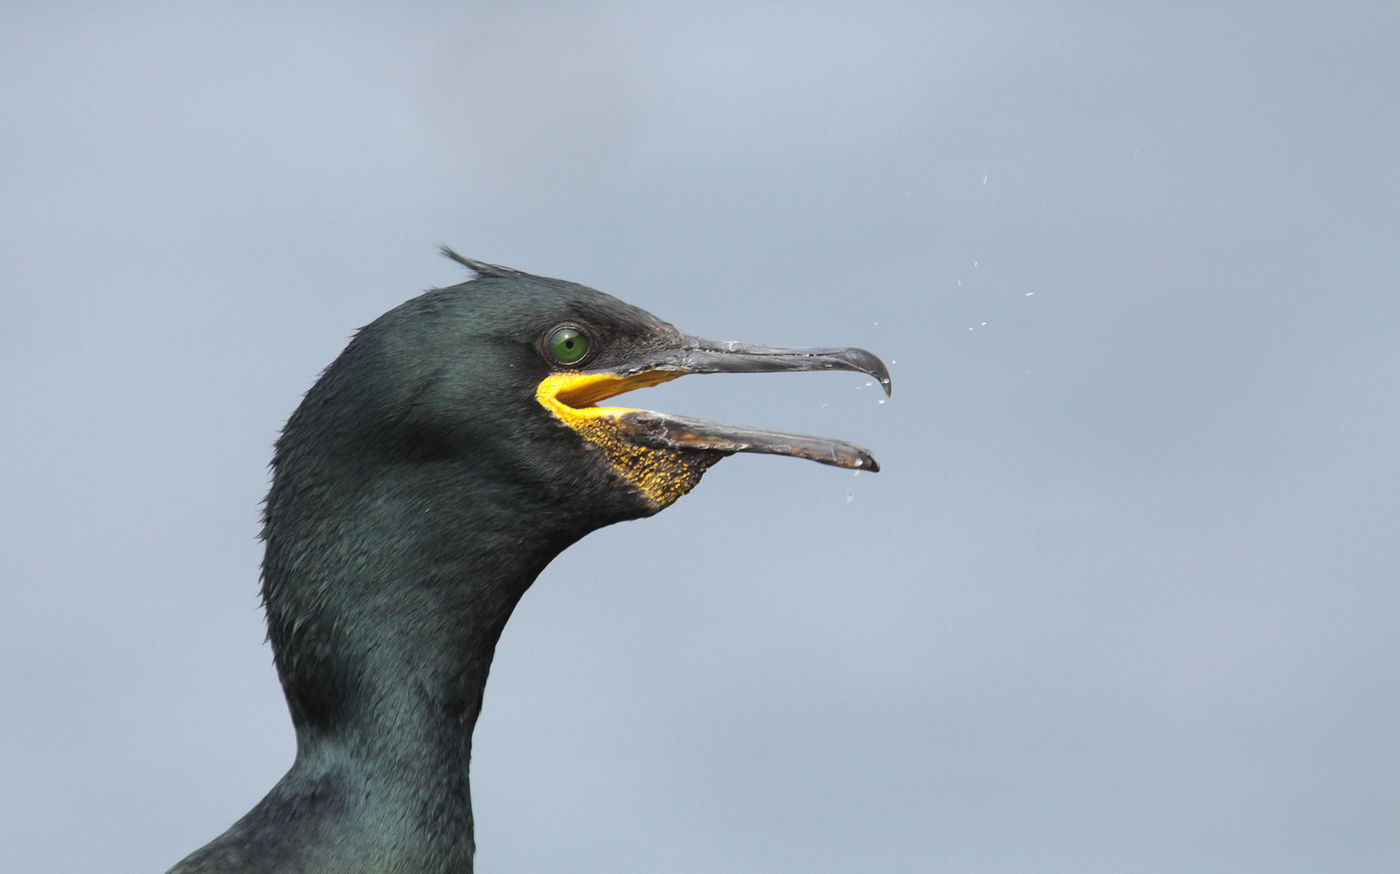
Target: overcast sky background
(1123, 597)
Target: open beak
(573, 396)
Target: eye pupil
(567, 345)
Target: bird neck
(393, 777)
(383, 648)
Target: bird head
(507, 373)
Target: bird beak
(574, 395)
(698, 355)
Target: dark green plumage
(418, 490)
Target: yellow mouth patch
(573, 396)
(661, 474)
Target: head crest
(481, 268)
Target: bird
(437, 465)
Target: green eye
(567, 345)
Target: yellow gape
(660, 473)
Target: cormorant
(452, 450)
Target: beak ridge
(698, 355)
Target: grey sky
(1122, 599)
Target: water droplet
(1029, 293)
(975, 263)
(856, 473)
(876, 324)
(880, 401)
(850, 496)
(984, 324)
(893, 362)
(826, 403)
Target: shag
(452, 451)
